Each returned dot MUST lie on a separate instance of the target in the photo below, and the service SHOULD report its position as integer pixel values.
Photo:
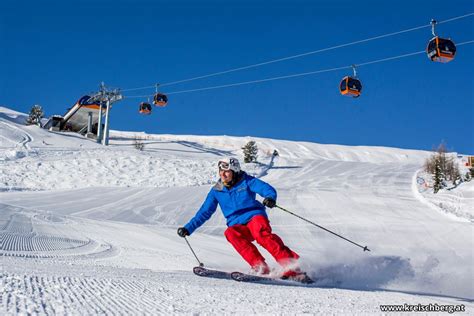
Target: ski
(243, 277)
(204, 272)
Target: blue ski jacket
(238, 203)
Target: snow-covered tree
(438, 176)
(250, 152)
(35, 116)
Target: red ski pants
(241, 237)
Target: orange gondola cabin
(350, 86)
(145, 108)
(160, 99)
(441, 50)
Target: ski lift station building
(82, 117)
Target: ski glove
(183, 232)
(269, 202)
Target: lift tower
(105, 97)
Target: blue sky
(53, 52)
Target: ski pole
(365, 248)
(189, 245)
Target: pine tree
(250, 152)
(35, 116)
(437, 176)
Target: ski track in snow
(29, 235)
(91, 230)
(14, 135)
(100, 290)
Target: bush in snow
(469, 175)
(138, 144)
(453, 173)
(250, 152)
(456, 176)
(35, 116)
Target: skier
(247, 219)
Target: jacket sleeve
(262, 188)
(205, 212)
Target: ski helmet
(229, 163)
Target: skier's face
(226, 175)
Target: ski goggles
(223, 165)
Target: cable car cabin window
(446, 46)
(432, 45)
(343, 84)
(354, 84)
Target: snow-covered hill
(89, 229)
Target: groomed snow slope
(88, 229)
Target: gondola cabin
(441, 50)
(145, 108)
(350, 87)
(160, 99)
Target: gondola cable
(302, 54)
(296, 75)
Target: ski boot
(261, 269)
(297, 275)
